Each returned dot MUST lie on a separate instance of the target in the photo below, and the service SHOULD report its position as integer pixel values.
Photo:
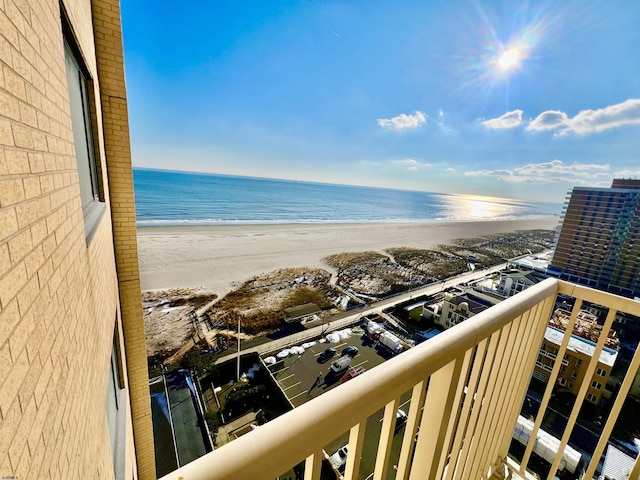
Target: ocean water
(182, 198)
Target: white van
(341, 364)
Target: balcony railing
(467, 388)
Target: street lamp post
(326, 327)
(238, 379)
(215, 394)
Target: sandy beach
(219, 257)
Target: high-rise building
(74, 396)
(599, 243)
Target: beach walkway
(345, 322)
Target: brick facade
(63, 293)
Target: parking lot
(303, 377)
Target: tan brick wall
(59, 298)
(108, 30)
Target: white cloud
(549, 120)
(627, 173)
(403, 121)
(589, 121)
(508, 120)
(450, 170)
(410, 164)
(555, 171)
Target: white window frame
(83, 139)
(116, 409)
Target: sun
(509, 59)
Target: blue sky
(400, 94)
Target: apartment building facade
(460, 307)
(74, 399)
(514, 281)
(574, 363)
(598, 243)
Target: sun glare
(509, 59)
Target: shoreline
(219, 257)
(276, 223)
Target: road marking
(360, 364)
(296, 396)
(281, 370)
(283, 379)
(295, 384)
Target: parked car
(351, 351)
(341, 364)
(354, 372)
(339, 459)
(327, 354)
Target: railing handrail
(305, 430)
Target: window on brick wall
(80, 110)
(116, 413)
(112, 399)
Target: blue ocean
(183, 198)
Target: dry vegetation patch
(166, 317)
(492, 249)
(431, 263)
(372, 273)
(260, 302)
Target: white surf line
(283, 379)
(296, 396)
(294, 385)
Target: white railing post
(386, 440)
(541, 314)
(512, 396)
(469, 435)
(613, 415)
(550, 385)
(356, 439)
(467, 401)
(410, 429)
(439, 407)
(489, 414)
(313, 466)
(588, 375)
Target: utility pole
(238, 379)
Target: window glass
(81, 126)
(112, 401)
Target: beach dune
(219, 257)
